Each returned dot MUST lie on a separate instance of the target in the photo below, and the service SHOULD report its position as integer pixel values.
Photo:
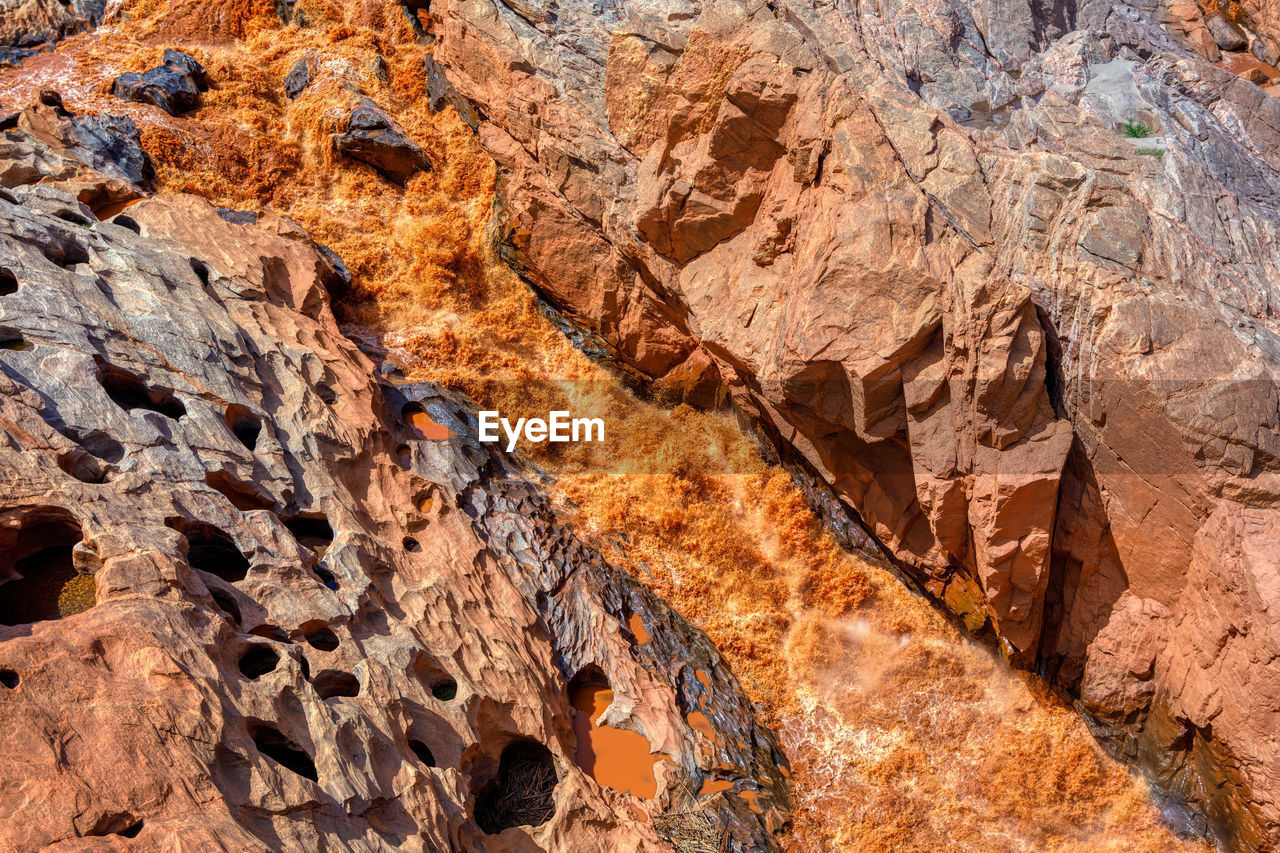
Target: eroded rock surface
(260, 611)
(1004, 275)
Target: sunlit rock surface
(1003, 274)
(265, 611)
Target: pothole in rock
(327, 578)
(423, 752)
(521, 795)
(321, 639)
(8, 282)
(312, 531)
(271, 632)
(333, 683)
(615, 758)
(211, 550)
(244, 425)
(258, 661)
(127, 222)
(420, 424)
(226, 602)
(129, 392)
(272, 743)
(82, 466)
(12, 339)
(411, 545)
(432, 676)
(43, 583)
(120, 823)
(243, 496)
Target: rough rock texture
(372, 136)
(30, 23)
(1036, 357)
(1263, 17)
(174, 86)
(290, 622)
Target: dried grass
(904, 736)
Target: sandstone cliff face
(249, 606)
(1036, 357)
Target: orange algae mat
(903, 734)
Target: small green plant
(1137, 129)
(1152, 152)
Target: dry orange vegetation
(904, 735)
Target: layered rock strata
(1003, 274)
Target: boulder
(1226, 35)
(298, 79)
(174, 86)
(374, 137)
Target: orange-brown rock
(1003, 275)
(246, 605)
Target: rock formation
(1002, 274)
(245, 605)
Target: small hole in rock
(98, 443)
(201, 271)
(8, 678)
(420, 424)
(119, 823)
(73, 217)
(258, 661)
(312, 532)
(243, 496)
(11, 339)
(446, 690)
(129, 392)
(326, 577)
(321, 639)
(211, 550)
(522, 793)
(304, 666)
(66, 254)
(424, 754)
(404, 455)
(81, 465)
(244, 425)
(274, 745)
(411, 545)
(227, 604)
(271, 632)
(330, 683)
(127, 222)
(8, 282)
(42, 580)
(327, 394)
